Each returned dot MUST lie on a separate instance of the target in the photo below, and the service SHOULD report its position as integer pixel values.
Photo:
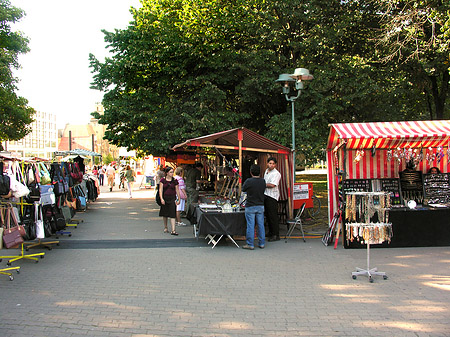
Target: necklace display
(361, 207)
(373, 233)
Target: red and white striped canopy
(388, 135)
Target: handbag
(67, 214)
(28, 224)
(11, 236)
(44, 174)
(157, 196)
(15, 216)
(40, 233)
(81, 199)
(47, 195)
(76, 174)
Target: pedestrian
(111, 175)
(95, 171)
(192, 179)
(183, 196)
(271, 196)
(170, 198)
(159, 175)
(254, 208)
(130, 176)
(101, 175)
(122, 171)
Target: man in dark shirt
(254, 208)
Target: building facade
(41, 142)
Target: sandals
(166, 230)
(173, 233)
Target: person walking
(101, 175)
(111, 174)
(183, 196)
(254, 208)
(271, 196)
(130, 177)
(170, 198)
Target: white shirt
(272, 177)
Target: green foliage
(15, 115)
(108, 159)
(187, 68)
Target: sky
(55, 76)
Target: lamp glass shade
(302, 74)
(285, 78)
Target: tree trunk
(439, 96)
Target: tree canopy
(15, 115)
(186, 68)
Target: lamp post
(295, 81)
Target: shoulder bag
(11, 236)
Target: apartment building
(42, 142)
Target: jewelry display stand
(363, 206)
(369, 272)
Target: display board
(436, 188)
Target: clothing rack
(23, 256)
(6, 271)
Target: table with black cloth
(214, 223)
(420, 227)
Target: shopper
(272, 194)
(170, 196)
(111, 174)
(130, 177)
(254, 208)
(101, 175)
(193, 177)
(183, 196)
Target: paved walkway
(120, 275)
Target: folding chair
(292, 223)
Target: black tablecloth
(217, 223)
(415, 228)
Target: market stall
(240, 143)
(395, 157)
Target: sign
(301, 192)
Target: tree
(187, 68)
(14, 111)
(416, 37)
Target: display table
(420, 227)
(212, 224)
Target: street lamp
(296, 80)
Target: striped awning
(79, 152)
(388, 135)
(251, 141)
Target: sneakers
(262, 246)
(248, 247)
(181, 224)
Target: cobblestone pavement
(177, 286)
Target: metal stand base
(212, 239)
(369, 272)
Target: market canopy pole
(240, 138)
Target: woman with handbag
(183, 195)
(170, 198)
